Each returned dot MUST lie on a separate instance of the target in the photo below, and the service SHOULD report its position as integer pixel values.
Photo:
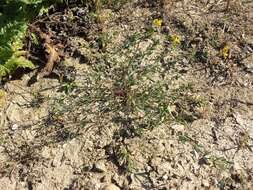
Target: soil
(68, 130)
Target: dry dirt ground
(136, 105)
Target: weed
(69, 87)
(125, 88)
(244, 140)
(123, 158)
(128, 90)
(184, 138)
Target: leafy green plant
(69, 87)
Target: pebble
(165, 177)
(205, 183)
(99, 167)
(177, 127)
(14, 127)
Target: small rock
(15, 113)
(185, 61)
(165, 177)
(99, 167)
(14, 127)
(205, 183)
(178, 127)
(110, 187)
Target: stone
(177, 127)
(165, 177)
(205, 183)
(99, 167)
(15, 114)
(14, 127)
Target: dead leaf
(50, 49)
(53, 57)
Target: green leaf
(18, 62)
(3, 71)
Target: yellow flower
(157, 22)
(176, 40)
(225, 51)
